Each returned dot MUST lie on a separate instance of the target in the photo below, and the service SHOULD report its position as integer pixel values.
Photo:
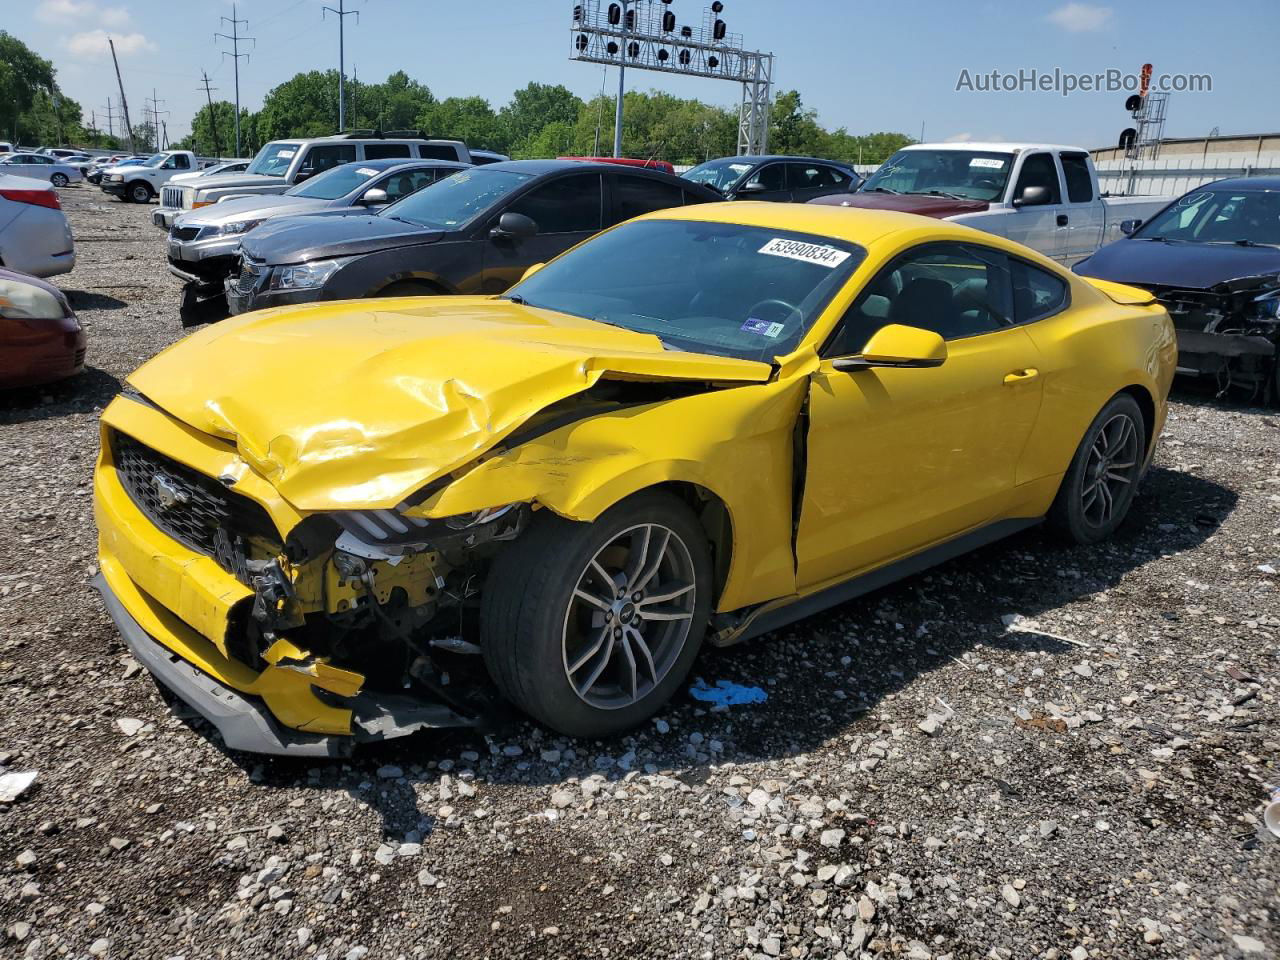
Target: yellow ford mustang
(329, 524)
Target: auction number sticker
(818, 253)
(285, 154)
(988, 162)
(763, 328)
(366, 171)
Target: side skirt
(766, 618)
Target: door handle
(1062, 219)
(1021, 376)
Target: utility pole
(342, 13)
(155, 117)
(235, 36)
(124, 104)
(213, 117)
(111, 129)
(622, 77)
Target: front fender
(736, 443)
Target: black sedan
(474, 232)
(1212, 257)
(779, 179)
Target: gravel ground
(923, 781)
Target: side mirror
(514, 226)
(1032, 197)
(1129, 227)
(755, 186)
(375, 197)
(896, 345)
(533, 268)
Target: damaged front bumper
(184, 617)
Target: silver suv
(283, 163)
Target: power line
(111, 117)
(342, 14)
(235, 37)
(155, 116)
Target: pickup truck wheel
(140, 192)
(591, 627)
(1101, 482)
(59, 180)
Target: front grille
(171, 197)
(184, 233)
(249, 276)
(194, 509)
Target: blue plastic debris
(726, 693)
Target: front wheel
(140, 193)
(1101, 482)
(591, 627)
(59, 180)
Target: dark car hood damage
(312, 237)
(1187, 266)
(926, 206)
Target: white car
(35, 237)
(38, 166)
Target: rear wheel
(1101, 482)
(59, 180)
(140, 192)
(591, 627)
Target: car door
(766, 182)
(809, 181)
(28, 165)
(898, 459)
(632, 195)
(1082, 209)
(1043, 227)
(567, 209)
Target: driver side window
(1039, 170)
(955, 290)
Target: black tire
(409, 288)
(1079, 512)
(530, 600)
(139, 192)
(59, 180)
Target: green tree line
(540, 120)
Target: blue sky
(865, 66)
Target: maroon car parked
(40, 338)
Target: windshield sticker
(366, 171)
(763, 328)
(818, 253)
(285, 154)
(987, 162)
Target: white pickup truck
(139, 183)
(1044, 196)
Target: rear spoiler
(1122, 293)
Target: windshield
(154, 160)
(1218, 216)
(721, 288)
(456, 200)
(719, 174)
(273, 160)
(965, 174)
(333, 183)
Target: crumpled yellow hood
(360, 403)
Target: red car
(40, 338)
(662, 165)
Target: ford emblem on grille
(168, 493)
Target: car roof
(1241, 183)
(852, 224)
(387, 163)
(781, 156)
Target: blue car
(1212, 257)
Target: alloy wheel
(629, 616)
(59, 179)
(1111, 470)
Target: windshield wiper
(884, 190)
(1161, 239)
(949, 196)
(1251, 243)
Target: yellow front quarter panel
(734, 442)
